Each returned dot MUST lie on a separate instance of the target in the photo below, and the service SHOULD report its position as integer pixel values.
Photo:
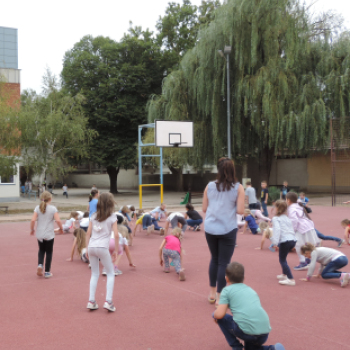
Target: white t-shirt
(68, 224)
(172, 215)
(45, 226)
(80, 214)
(101, 231)
(84, 222)
(122, 240)
(65, 188)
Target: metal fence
(340, 160)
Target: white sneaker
(287, 282)
(92, 305)
(109, 306)
(281, 277)
(117, 272)
(39, 270)
(104, 273)
(344, 279)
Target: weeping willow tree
(287, 78)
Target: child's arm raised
(73, 248)
(128, 255)
(161, 252)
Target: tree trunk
(113, 172)
(179, 178)
(265, 164)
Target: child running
(45, 214)
(249, 322)
(303, 227)
(331, 261)
(194, 218)
(79, 243)
(346, 226)
(102, 223)
(70, 222)
(283, 238)
(250, 222)
(171, 249)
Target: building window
(7, 179)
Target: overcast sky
(47, 29)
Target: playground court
(154, 310)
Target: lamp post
(227, 51)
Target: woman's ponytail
(92, 195)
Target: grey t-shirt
(101, 231)
(250, 192)
(45, 227)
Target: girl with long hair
(304, 227)
(45, 215)
(79, 243)
(102, 223)
(283, 238)
(222, 200)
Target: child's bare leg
(263, 239)
(117, 260)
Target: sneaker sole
(39, 271)
(109, 309)
(92, 308)
(302, 268)
(286, 284)
(340, 244)
(48, 276)
(345, 281)
(182, 276)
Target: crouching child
(250, 322)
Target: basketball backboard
(170, 133)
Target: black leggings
(45, 247)
(221, 249)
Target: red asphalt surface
(155, 310)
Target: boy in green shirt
(250, 321)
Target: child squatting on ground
(330, 260)
(283, 238)
(45, 214)
(249, 322)
(69, 223)
(171, 249)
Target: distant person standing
(222, 199)
(93, 200)
(65, 190)
(44, 184)
(251, 194)
(284, 190)
(50, 187)
(264, 197)
(93, 188)
(30, 186)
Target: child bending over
(194, 219)
(176, 220)
(69, 223)
(79, 243)
(171, 248)
(250, 222)
(249, 322)
(330, 260)
(267, 233)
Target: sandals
(211, 301)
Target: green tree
(116, 80)
(287, 79)
(53, 129)
(178, 28)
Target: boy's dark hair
(235, 272)
(86, 214)
(189, 206)
(248, 183)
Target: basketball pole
(160, 155)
